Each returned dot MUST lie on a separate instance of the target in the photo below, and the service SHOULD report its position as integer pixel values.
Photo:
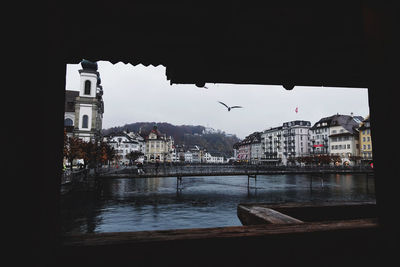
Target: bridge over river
(225, 170)
(88, 179)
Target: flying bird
(229, 108)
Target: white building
(188, 156)
(344, 137)
(319, 136)
(84, 108)
(336, 135)
(208, 158)
(123, 144)
(139, 139)
(272, 145)
(295, 139)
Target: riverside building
(295, 140)
(123, 144)
(344, 137)
(84, 108)
(336, 135)
(365, 140)
(158, 147)
(272, 146)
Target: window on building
(68, 122)
(85, 121)
(348, 146)
(87, 87)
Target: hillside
(215, 141)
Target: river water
(155, 203)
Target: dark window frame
(85, 121)
(88, 85)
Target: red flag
(297, 109)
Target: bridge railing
(176, 170)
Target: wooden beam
(117, 238)
(262, 215)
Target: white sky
(141, 94)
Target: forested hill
(215, 141)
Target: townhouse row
(156, 147)
(346, 136)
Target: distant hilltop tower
(89, 105)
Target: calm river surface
(154, 203)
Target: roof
(273, 129)
(365, 124)
(346, 121)
(157, 133)
(342, 134)
(296, 123)
(301, 44)
(120, 134)
(250, 139)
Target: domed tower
(89, 105)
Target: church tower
(89, 106)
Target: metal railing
(199, 169)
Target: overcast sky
(140, 94)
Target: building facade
(123, 144)
(344, 137)
(158, 147)
(84, 108)
(272, 146)
(319, 137)
(295, 140)
(256, 151)
(365, 140)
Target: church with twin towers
(84, 108)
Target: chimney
(351, 114)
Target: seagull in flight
(229, 108)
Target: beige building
(365, 140)
(158, 148)
(344, 137)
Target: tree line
(321, 159)
(92, 153)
